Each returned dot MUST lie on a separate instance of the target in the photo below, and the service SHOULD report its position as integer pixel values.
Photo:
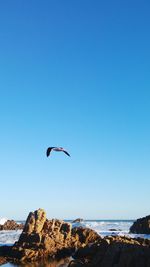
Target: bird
(58, 149)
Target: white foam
(9, 237)
(103, 228)
(3, 220)
(107, 228)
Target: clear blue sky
(75, 74)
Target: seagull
(58, 149)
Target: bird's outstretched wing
(49, 150)
(66, 153)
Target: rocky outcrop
(78, 220)
(114, 252)
(43, 238)
(11, 225)
(141, 226)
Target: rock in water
(78, 220)
(141, 226)
(11, 225)
(43, 238)
(54, 238)
(115, 252)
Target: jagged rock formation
(49, 238)
(11, 225)
(42, 238)
(141, 226)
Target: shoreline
(44, 263)
(44, 242)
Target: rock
(84, 235)
(115, 252)
(3, 260)
(43, 238)
(11, 225)
(76, 263)
(141, 226)
(78, 220)
(35, 221)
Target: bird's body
(58, 149)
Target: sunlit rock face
(42, 238)
(54, 238)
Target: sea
(102, 227)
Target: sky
(75, 73)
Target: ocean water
(111, 227)
(103, 227)
(45, 263)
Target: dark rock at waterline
(141, 226)
(11, 225)
(78, 220)
(4, 252)
(115, 252)
(114, 230)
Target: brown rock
(78, 220)
(11, 225)
(35, 221)
(30, 223)
(2, 260)
(43, 238)
(54, 238)
(40, 218)
(85, 235)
